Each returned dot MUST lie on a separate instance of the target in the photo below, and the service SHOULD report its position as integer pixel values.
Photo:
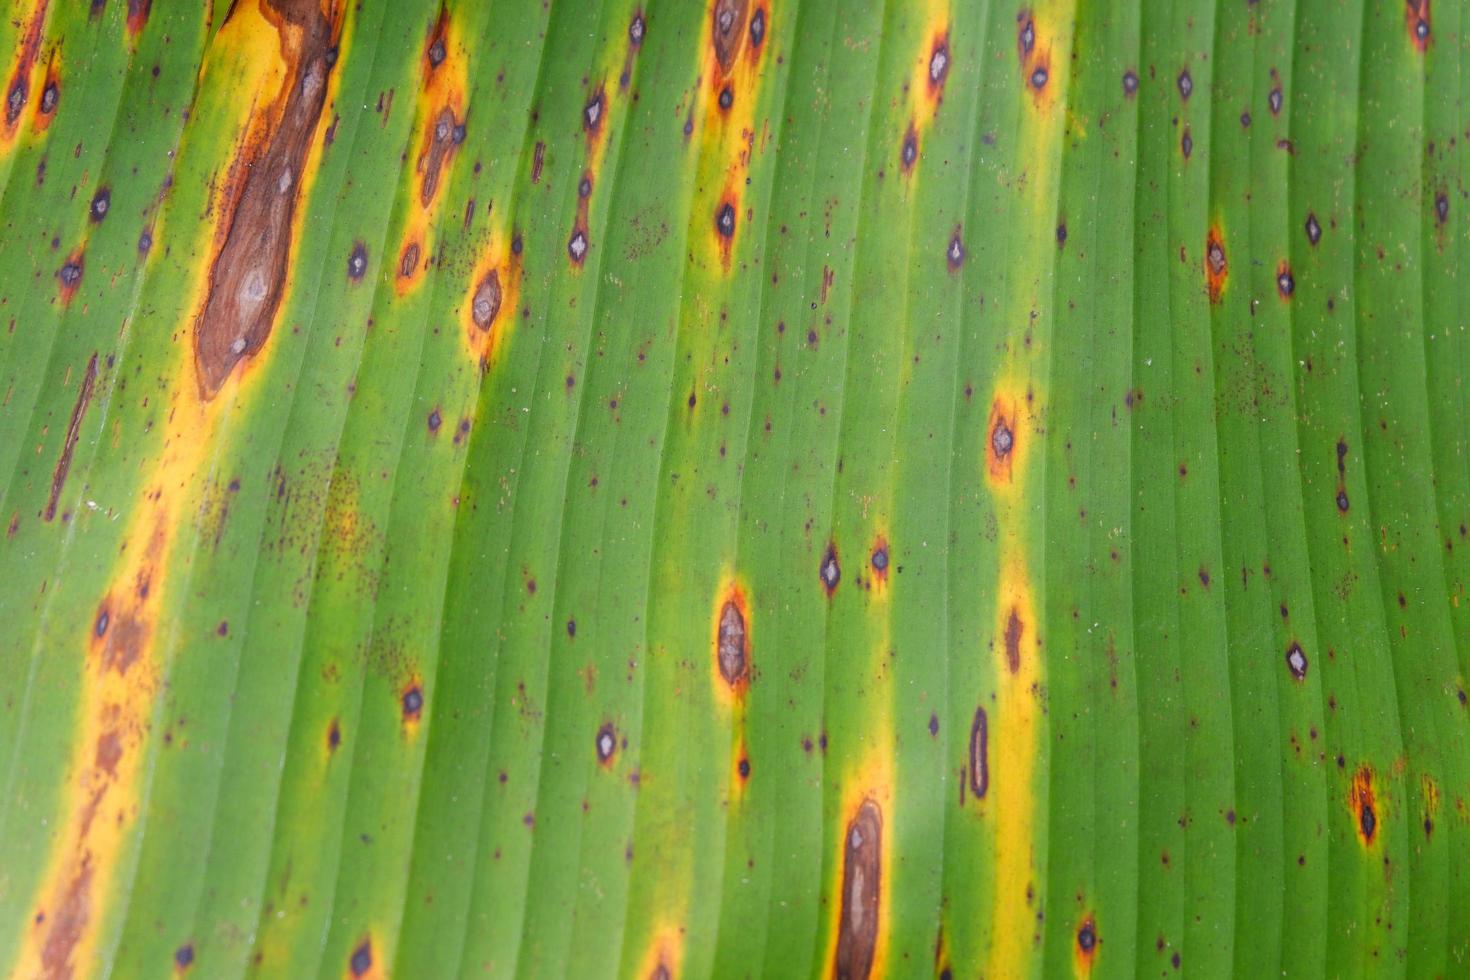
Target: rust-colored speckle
(69, 442)
(862, 872)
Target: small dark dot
(183, 956)
(1062, 233)
(1186, 84)
(725, 220)
(1038, 77)
(1130, 82)
(727, 97)
(758, 27)
(744, 768)
(437, 53)
(571, 627)
(933, 724)
(1245, 119)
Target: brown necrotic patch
(1000, 444)
(485, 303)
(862, 872)
(937, 64)
(18, 89)
(1025, 35)
(830, 570)
(1296, 661)
(1216, 266)
(445, 136)
(1363, 805)
(69, 442)
(50, 98)
(408, 261)
(594, 113)
(247, 278)
(1416, 21)
(1015, 629)
(727, 31)
(732, 642)
(908, 151)
(979, 761)
(138, 11)
(606, 744)
(436, 45)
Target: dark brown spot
(538, 158)
(758, 27)
(69, 442)
(727, 31)
(184, 956)
(247, 277)
(435, 420)
(979, 754)
(908, 153)
(1186, 85)
(725, 220)
(1285, 284)
(70, 274)
(1039, 76)
(584, 187)
(606, 743)
(933, 724)
(362, 959)
(830, 572)
(1273, 101)
(743, 768)
(1014, 629)
(880, 558)
(334, 735)
(727, 98)
(1367, 821)
(636, 27)
(1296, 661)
(1186, 143)
(939, 62)
(1441, 207)
(408, 264)
(485, 305)
(1087, 937)
(1026, 36)
(1130, 83)
(955, 253)
(444, 137)
(593, 112)
(1216, 266)
(862, 870)
(49, 97)
(357, 262)
(413, 702)
(101, 201)
(1342, 501)
(1314, 230)
(731, 651)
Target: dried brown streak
(248, 277)
(73, 430)
(862, 872)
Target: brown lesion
(862, 883)
(1015, 628)
(248, 276)
(69, 443)
(50, 98)
(1085, 945)
(979, 761)
(1418, 24)
(1001, 435)
(1363, 805)
(436, 45)
(1217, 266)
(727, 31)
(445, 135)
(18, 86)
(732, 643)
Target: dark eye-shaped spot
(725, 220)
(1130, 82)
(1186, 85)
(1038, 78)
(1314, 230)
